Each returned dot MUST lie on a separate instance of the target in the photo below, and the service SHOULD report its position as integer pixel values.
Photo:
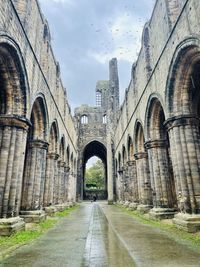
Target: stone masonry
(150, 145)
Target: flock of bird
(114, 33)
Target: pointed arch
(54, 137)
(14, 89)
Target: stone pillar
(61, 178)
(13, 135)
(110, 168)
(185, 151)
(66, 187)
(144, 185)
(163, 199)
(133, 184)
(34, 175)
(55, 188)
(50, 178)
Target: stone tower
(95, 127)
(112, 116)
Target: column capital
(140, 155)
(53, 155)
(155, 143)
(181, 120)
(38, 144)
(15, 121)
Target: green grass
(9, 243)
(192, 240)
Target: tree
(95, 176)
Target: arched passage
(13, 128)
(95, 148)
(183, 100)
(35, 161)
(50, 196)
(141, 156)
(162, 178)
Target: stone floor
(98, 235)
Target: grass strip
(10, 243)
(190, 239)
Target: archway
(183, 101)
(94, 148)
(161, 173)
(13, 127)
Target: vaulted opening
(94, 171)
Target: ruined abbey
(150, 145)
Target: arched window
(84, 119)
(104, 119)
(98, 99)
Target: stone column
(50, 178)
(55, 188)
(133, 184)
(66, 187)
(61, 178)
(110, 167)
(185, 152)
(13, 135)
(144, 185)
(163, 199)
(34, 175)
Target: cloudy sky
(86, 34)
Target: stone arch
(154, 120)
(68, 155)
(39, 119)
(161, 173)
(124, 155)
(54, 137)
(62, 149)
(139, 137)
(35, 160)
(98, 149)
(183, 102)
(14, 102)
(14, 93)
(179, 83)
(130, 148)
(119, 160)
(142, 166)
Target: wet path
(97, 235)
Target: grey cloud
(81, 28)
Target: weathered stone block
(35, 216)
(162, 213)
(11, 225)
(187, 222)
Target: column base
(50, 211)
(126, 204)
(162, 213)
(110, 202)
(133, 206)
(187, 222)
(33, 216)
(143, 208)
(11, 225)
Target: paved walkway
(97, 235)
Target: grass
(10, 243)
(190, 239)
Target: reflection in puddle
(103, 248)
